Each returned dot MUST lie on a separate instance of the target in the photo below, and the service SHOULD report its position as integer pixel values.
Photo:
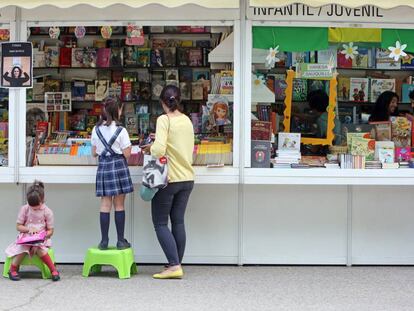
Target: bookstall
(316, 71)
(80, 55)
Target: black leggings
(171, 201)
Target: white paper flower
(258, 80)
(271, 58)
(350, 50)
(397, 51)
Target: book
(226, 82)
(359, 89)
(157, 58)
(407, 62)
(143, 57)
(130, 56)
(169, 56)
(126, 90)
(351, 135)
(314, 85)
(260, 154)
(183, 56)
(143, 123)
(197, 91)
(344, 84)
(401, 131)
(158, 43)
(261, 130)
(156, 89)
(361, 59)
(406, 89)
(185, 89)
(203, 43)
(295, 58)
(172, 74)
(103, 57)
(342, 61)
(363, 147)
(289, 141)
(280, 89)
(39, 60)
(201, 75)
(378, 86)
(325, 56)
(145, 90)
(383, 60)
(52, 56)
(195, 57)
(90, 122)
(384, 151)
(101, 89)
(116, 57)
(65, 57)
(77, 122)
(402, 154)
(382, 130)
(131, 124)
(52, 85)
(186, 74)
(90, 91)
(300, 90)
(78, 90)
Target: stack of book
(288, 152)
(349, 161)
(332, 165)
(373, 165)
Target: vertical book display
(76, 68)
(4, 110)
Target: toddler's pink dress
(41, 219)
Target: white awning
(30, 4)
(385, 4)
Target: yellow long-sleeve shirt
(174, 137)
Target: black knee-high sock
(120, 224)
(104, 220)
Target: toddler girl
(33, 217)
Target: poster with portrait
(58, 101)
(16, 65)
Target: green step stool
(34, 261)
(121, 260)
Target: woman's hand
(146, 149)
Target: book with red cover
(343, 62)
(103, 57)
(126, 92)
(261, 130)
(65, 57)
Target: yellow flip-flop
(177, 274)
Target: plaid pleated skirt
(112, 177)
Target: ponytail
(171, 97)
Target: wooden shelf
(122, 68)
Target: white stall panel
(295, 225)
(11, 201)
(211, 226)
(383, 225)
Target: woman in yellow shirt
(174, 137)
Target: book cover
(344, 84)
(361, 59)
(185, 88)
(300, 90)
(401, 131)
(314, 85)
(260, 154)
(402, 154)
(156, 90)
(158, 43)
(130, 56)
(351, 135)
(103, 57)
(407, 62)
(39, 60)
(172, 74)
(325, 56)
(157, 58)
(406, 89)
(280, 89)
(117, 57)
(131, 124)
(201, 75)
(296, 58)
(126, 90)
(52, 85)
(77, 58)
(89, 57)
(203, 43)
(289, 141)
(226, 82)
(183, 56)
(145, 90)
(261, 130)
(359, 89)
(197, 91)
(378, 86)
(101, 89)
(384, 151)
(90, 91)
(91, 122)
(52, 56)
(347, 115)
(342, 61)
(65, 57)
(169, 56)
(143, 123)
(383, 61)
(382, 130)
(363, 147)
(77, 122)
(195, 57)
(186, 74)
(143, 57)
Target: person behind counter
(319, 101)
(385, 107)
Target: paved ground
(218, 288)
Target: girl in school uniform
(111, 143)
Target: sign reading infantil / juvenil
(16, 65)
(331, 12)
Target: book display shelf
(316, 128)
(75, 68)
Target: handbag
(155, 170)
(26, 238)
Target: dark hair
(110, 111)
(36, 193)
(20, 71)
(381, 109)
(411, 94)
(171, 97)
(318, 100)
